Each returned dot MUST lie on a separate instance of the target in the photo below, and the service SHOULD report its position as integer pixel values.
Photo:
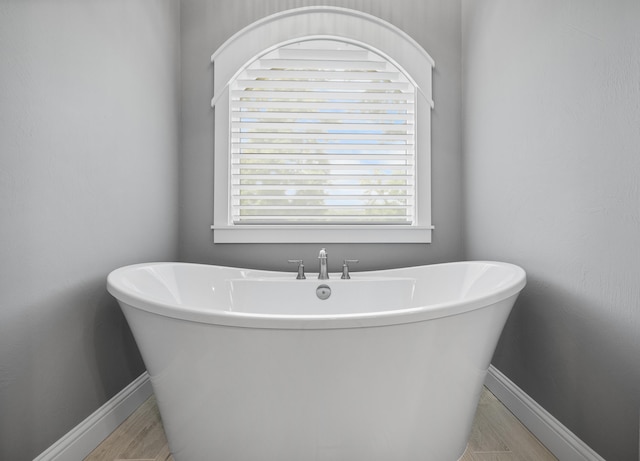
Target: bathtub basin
(251, 365)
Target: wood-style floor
(496, 436)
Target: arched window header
(321, 22)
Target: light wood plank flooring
(496, 436)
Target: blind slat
(321, 197)
(336, 176)
(337, 64)
(313, 167)
(343, 117)
(322, 138)
(279, 127)
(316, 166)
(368, 108)
(318, 87)
(374, 157)
(323, 207)
(319, 74)
(309, 95)
(276, 148)
(237, 189)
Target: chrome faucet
(345, 268)
(300, 264)
(323, 274)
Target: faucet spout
(323, 272)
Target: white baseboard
(86, 436)
(557, 438)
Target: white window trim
(338, 23)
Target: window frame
(321, 23)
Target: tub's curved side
(403, 391)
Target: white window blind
(322, 132)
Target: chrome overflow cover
(323, 291)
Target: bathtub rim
(314, 322)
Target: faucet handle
(300, 264)
(345, 267)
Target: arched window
(322, 131)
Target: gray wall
(552, 182)
(90, 102)
(88, 182)
(206, 24)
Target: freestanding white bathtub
(251, 365)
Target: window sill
(321, 234)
